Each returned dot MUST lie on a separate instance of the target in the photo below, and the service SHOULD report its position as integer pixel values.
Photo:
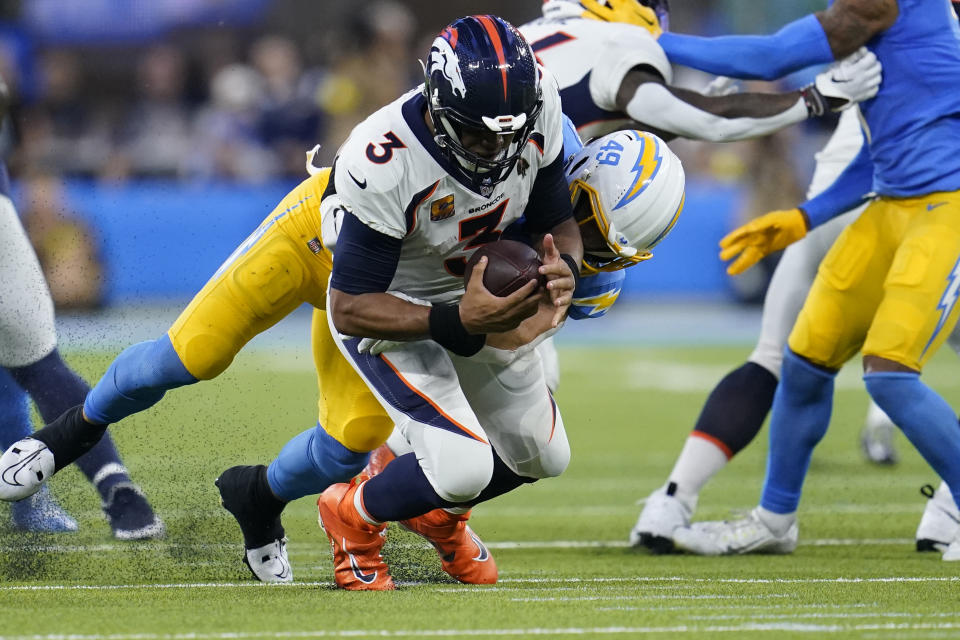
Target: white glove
(722, 86)
(853, 79)
(375, 346)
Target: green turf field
(564, 567)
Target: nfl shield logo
(486, 188)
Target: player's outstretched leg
(940, 523)
(877, 436)
(731, 417)
(246, 494)
(462, 553)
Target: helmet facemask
(482, 172)
(589, 212)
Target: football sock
(778, 523)
(700, 460)
(15, 409)
(729, 420)
(250, 499)
(54, 387)
(136, 380)
(737, 407)
(402, 491)
(925, 418)
(800, 417)
(70, 436)
(311, 462)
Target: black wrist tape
(574, 268)
(448, 331)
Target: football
(510, 265)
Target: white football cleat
(660, 516)
(732, 537)
(940, 522)
(24, 467)
(877, 437)
(270, 563)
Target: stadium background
(156, 135)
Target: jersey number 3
(382, 153)
(479, 230)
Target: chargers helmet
(481, 75)
(630, 185)
(652, 15)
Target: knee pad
(457, 468)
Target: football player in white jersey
(424, 181)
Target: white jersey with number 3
(590, 59)
(392, 176)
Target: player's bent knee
(460, 478)
(207, 355)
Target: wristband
(574, 268)
(447, 330)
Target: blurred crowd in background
(238, 90)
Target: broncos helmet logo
(443, 58)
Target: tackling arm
(849, 190)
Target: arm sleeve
(800, 44)
(849, 190)
(549, 203)
(366, 259)
(653, 104)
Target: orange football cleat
(355, 542)
(379, 458)
(462, 554)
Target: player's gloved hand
(722, 86)
(854, 79)
(481, 312)
(376, 346)
(760, 237)
(560, 279)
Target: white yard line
(305, 548)
(522, 632)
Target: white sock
(779, 523)
(699, 461)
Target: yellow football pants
(279, 267)
(888, 285)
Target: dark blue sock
(925, 418)
(54, 387)
(136, 380)
(402, 490)
(799, 419)
(311, 462)
(737, 406)
(15, 411)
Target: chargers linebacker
(886, 285)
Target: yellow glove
(629, 11)
(761, 237)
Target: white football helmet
(634, 186)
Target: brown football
(510, 265)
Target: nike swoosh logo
(834, 79)
(366, 578)
(9, 475)
(931, 207)
(362, 185)
(483, 554)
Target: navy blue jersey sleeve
(802, 43)
(364, 260)
(549, 203)
(849, 190)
